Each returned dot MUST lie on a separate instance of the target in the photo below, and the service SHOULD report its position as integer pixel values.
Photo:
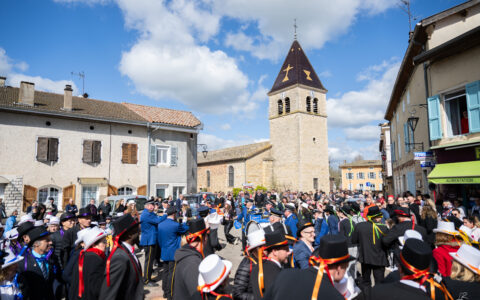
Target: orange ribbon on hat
(323, 265)
(209, 285)
(192, 236)
(260, 270)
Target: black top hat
(290, 207)
(196, 225)
(66, 216)
(302, 224)
(37, 233)
(270, 202)
(122, 224)
(333, 247)
(355, 207)
(203, 211)
(329, 209)
(24, 228)
(402, 212)
(84, 212)
(415, 253)
(374, 211)
(456, 221)
(276, 238)
(165, 201)
(346, 209)
(249, 200)
(171, 210)
(102, 220)
(276, 212)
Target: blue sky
(216, 58)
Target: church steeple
(296, 69)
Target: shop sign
(422, 155)
(459, 180)
(427, 164)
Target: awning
(92, 181)
(467, 172)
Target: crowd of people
(294, 246)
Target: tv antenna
(295, 28)
(81, 75)
(405, 6)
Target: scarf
(376, 231)
(116, 245)
(81, 258)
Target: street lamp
(204, 149)
(412, 122)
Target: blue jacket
(169, 237)
(332, 222)
(291, 222)
(245, 216)
(321, 229)
(148, 224)
(10, 222)
(301, 254)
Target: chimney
(2, 81)
(67, 98)
(27, 90)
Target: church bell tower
(298, 125)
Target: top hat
(26, 218)
(203, 211)
(270, 202)
(212, 271)
(302, 224)
(165, 201)
(289, 207)
(345, 209)
(276, 212)
(374, 211)
(130, 202)
(171, 211)
(54, 221)
(275, 238)
(12, 234)
(329, 209)
(456, 221)
(92, 236)
(402, 212)
(122, 224)
(10, 259)
(446, 227)
(333, 247)
(102, 220)
(255, 239)
(66, 216)
(24, 228)
(409, 234)
(252, 226)
(84, 213)
(469, 257)
(417, 254)
(196, 225)
(355, 207)
(80, 235)
(37, 233)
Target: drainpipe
(425, 77)
(148, 161)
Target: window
(162, 154)
(177, 190)
(360, 175)
(47, 192)
(360, 186)
(280, 107)
(89, 192)
(408, 137)
(399, 144)
(372, 175)
(380, 175)
(315, 183)
(315, 105)
(208, 178)
(393, 152)
(161, 190)
(125, 190)
(456, 113)
(372, 186)
(92, 151)
(350, 186)
(287, 105)
(230, 176)
(129, 153)
(309, 104)
(349, 175)
(47, 149)
(349, 169)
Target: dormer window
(280, 107)
(287, 105)
(309, 104)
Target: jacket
(10, 223)
(270, 273)
(393, 291)
(245, 215)
(71, 209)
(242, 290)
(125, 277)
(346, 228)
(460, 289)
(169, 238)
(185, 277)
(291, 222)
(148, 224)
(106, 209)
(332, 222)
(321, 229)
(57, 241)
(429, 224)
(93, 275)
(370, 248)
(301, 254)
(391, 239)
(69, 242)
(444, 259)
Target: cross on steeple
(295, 29)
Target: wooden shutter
(473, 106)
(97, 152)
(67, 193)
(52, 149)
(434, 120)
(87, 151)
(153, 155)
(173, 156)
(142, 190)
(42, 149)
(112, 190)
(406, 138)
(133, 153)
(29, 195)
(125, 153)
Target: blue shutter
(153, 154)
(434, 118)
(473, 105)
(393, 151)
(406, 138)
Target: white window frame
(96, 194)
(360, 177)
(448, 132)
(168, 151)
(134, 189)
(59, 194)
(164, 186)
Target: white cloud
(339, 152)
(214, 142)
(226, 126)
(325, 74)
(88, 2)
(363, 133)
(358, 108)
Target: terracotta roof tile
(164, 115)
(233, 153)
(363, 163)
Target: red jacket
(444, 259)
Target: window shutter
(434, 118)
(153, 154)
(52, 149)
(87, 151)
(406, 138)
(173, 156)
(42, 149)
(29, 195)
(473, 106)
(97, 151)
(125, 153)
(67, 193)
(133, 153)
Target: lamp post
(412, 122)
(204, 149)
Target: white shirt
(413, 284)
(131, 249)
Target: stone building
(60, 146)
(296, 156)
(362, 175)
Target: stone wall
(13, 196)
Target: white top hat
(80, 235)
(212, 272)
(184, 202)
(93, 235)
(26, 218)
(255, 239)
(469, 257)
(304, 205)
(446, 227)
(94, 223)
(11, 259)
(214, 220)
(466, 230)
(48, 217)
(12, 234)
(130, 202)
(228, 202)
(54, 221)
(38, 223)
(409, 234)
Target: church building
(296, 156)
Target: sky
(216, 58)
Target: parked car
(194, 200)
(139, 201)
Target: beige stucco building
(296, 156)
(59, 146)
(362, 175)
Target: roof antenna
(295, 29)
(82, 76)
(406, 8)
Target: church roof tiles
(233, 153)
